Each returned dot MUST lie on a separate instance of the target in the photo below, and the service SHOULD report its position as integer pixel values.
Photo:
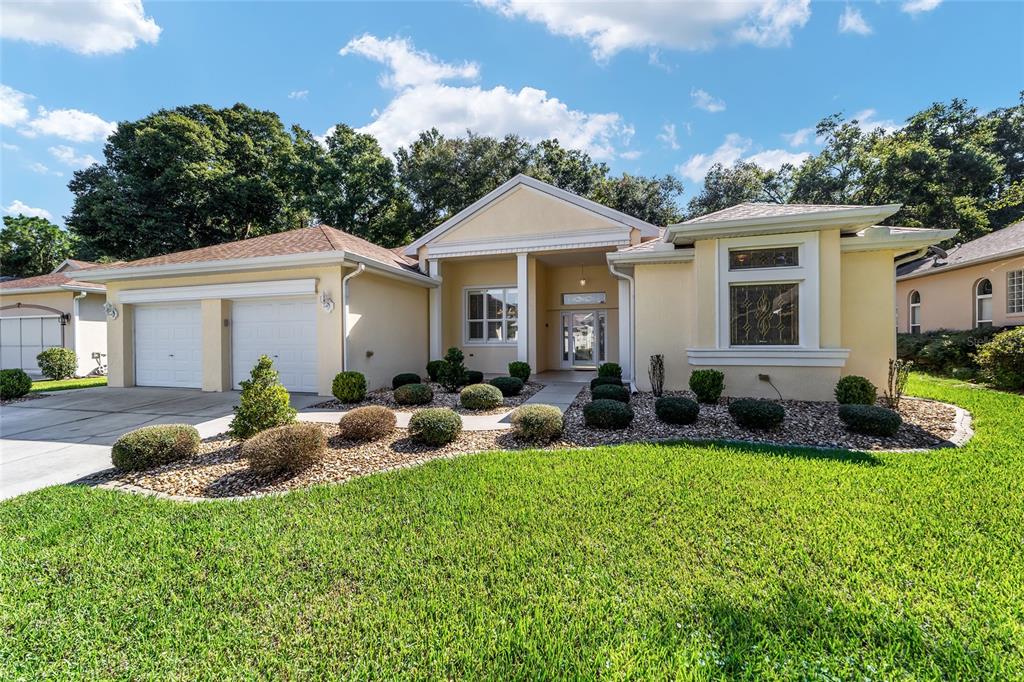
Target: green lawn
(640, 561)
(48, 386)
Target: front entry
(584, 338)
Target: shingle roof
(992, 245)
(56, 279)
(766, 210)
(647, 245)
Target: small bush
(942, 350)
(707, 384)
(14, 383)
(610, 369)
(1002, 359)
(964, 373)
(480, 397)
(896, 381)
(285, 449)
(672, 410)
(607, 414)
(520, 370)
(757, 414)
(404, 379)
(435, 426)
(349, 387)
(855, 390)
(434, 368)
(264, 402)
(371, 422)
(57, 363)
(611, 392)
(474, 377)
(605, 381)
(452, 374)
(870, 419)
(414, 394)
(538, 423)
(509, 386)
(152, 446)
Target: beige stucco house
(801, 294)
(977, 284)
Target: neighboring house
(977, 284)
(529, 272)
(54, 310)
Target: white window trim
(1009, 302)
(465, 317)
(283, 287)
(978, 298)
(911, 308)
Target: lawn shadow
(789, 451)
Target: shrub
(349, 387)
(944, 349)
(656, 373)
(414, 394)
(285, 449)
(264, 402)
(371, 422)
(453, 371)
(855, 390)
(605, 381)
(57, 363)
(607, 414)
(757, 414)
(509, 386)
(474, 377)
(672, 410)
(896, 382)
(1002, 359)
(520, 370)
(707, 384)
(403, 379)
(435, 426)
(152, 446)
(480, 397)
(611, 392)
(14, 383)
(434, 370)
(964, 373)
(870, 419)
(610, 369)
(539, 423)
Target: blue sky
(649, 88)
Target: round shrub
(757, 414)
(349, 387)
(371, 422)
(855, 390)
(152, 446)
(520, 370)
(435, 425)
(538, 423)
(610, 369)
(673, 410)
(870, 419)
(404, 379)
(707, 384)
(285, 449)
(414, 394)
(509, 386)
(474, 377)
(480, 397)
(607, 414)
(610, 392)
(1002, 359)
(605, 381)
(434, 370)
(57, 363)
(14, 383)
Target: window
(983, 303)
(749, 259)
(764, 314)
(492, 315)
(915, 312)
(1015, 292)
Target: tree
(743, 182)
(32, 246)
(649, 199)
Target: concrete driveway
(67, 435)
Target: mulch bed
(24, 398)
(385, 397)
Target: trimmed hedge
(610, 369)
(605, 381)
(285, 449)
(855, 390)
(520, 370)
(14, 383)
(538, 423)
(413, 394)
(474, 377)
(607, 414)
(480, 397)
(707, 384)
(152, 446)
(404, 379)
(435, 426)
(349, 387)
(944, 350)
(676, 410)
(1002, 359)
(610, 392)
(434, 370)
(870, 419)
(754, 413)
(57, 363)
(371, 422)
(509, 386)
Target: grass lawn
(48, 386)
(634, 561)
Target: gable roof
(41, 284)
(74, 264)
(756, 210)
(1005, 243)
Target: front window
(1015, 292)
(983, 303)
(764, 314)
(492, 315)
(778, 257)
(915, 312)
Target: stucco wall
(868, 328)
(91, 333)
(457, 275)
(666, 320)
(557, 280)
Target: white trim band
(768, 357)
(284, 287)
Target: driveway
(67, 435)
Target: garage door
(168, 345)
(284, 330)
(23, 338)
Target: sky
(648, 87)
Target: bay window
(492, 315)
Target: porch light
(583, 280)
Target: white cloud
(13, 108)
(800, 137)
(298, 94)
(67, 155)
(10, 147)
(86, 27)
(610, 27)
(919, 6)
(43, 169)
(407, 66)
(867, 122)
(18, 207)
(702, 99)
(773, 159)
(631, 155)
(668, 136)
(852, 21)
(735, 148)
(70, 124)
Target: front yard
(628, 561)
(49, 386)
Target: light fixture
(583, 280)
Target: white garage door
(168, 345)
(284, 330)
(23, 338)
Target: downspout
(74, 332)
(632, 320)
(360, 268)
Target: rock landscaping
(386, 397)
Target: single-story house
(977, 284)
(54, 310)
(796, 293)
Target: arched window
(983, 303)
(915, 312)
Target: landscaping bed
(385, 397)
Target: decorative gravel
(386, 397)
(24, 398)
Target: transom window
(915, 312)
(776, 257)
(983, 303)
(1015, 292)
(764, 314)
(492, 315)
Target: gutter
(360, 269)
(618, 274)
(1009, 255)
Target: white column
(523, 290)
(625, 335)
(436, 338)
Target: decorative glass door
(583, 338)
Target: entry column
(434, 319)
(523, 311)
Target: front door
(583, 338)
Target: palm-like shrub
(855, 390)
(538, 423)
(152, 446)
(349, 387)
(757, 414)
(509, 386)
(607, 414)
(520, 370)
(435, 426)
(264, 402)
(414, 394)
(870, 419)
(57, 363)
(673, 410)
(285, 449)
(611, 392)
(707, 384)
(371, 422)
(14, 383)
(480, 397)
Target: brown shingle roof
(766, 210)
(991, 246)
(55, 279)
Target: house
(54, 310)
(801, 294)
(976, 284)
